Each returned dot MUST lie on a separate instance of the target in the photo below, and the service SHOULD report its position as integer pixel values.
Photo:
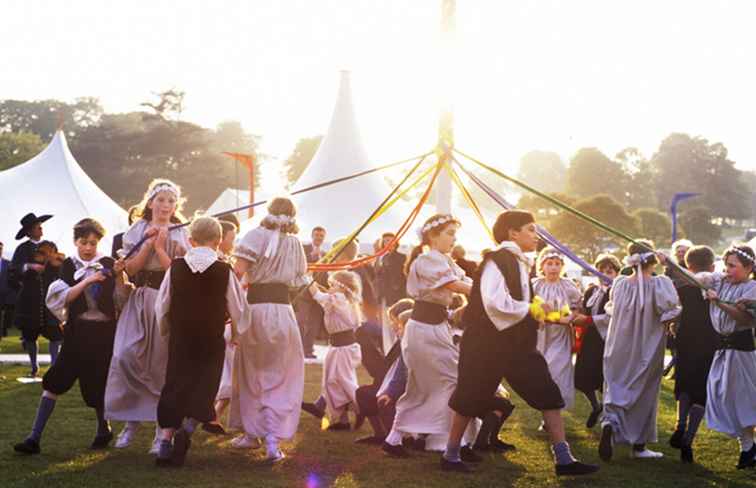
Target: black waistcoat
(198, 300)
(520, 337)
(105, 297)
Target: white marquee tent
(53, 183)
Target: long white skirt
(555, 345)
(268, 374)
(431, 358)
(140, 357)
(340, 379)
(224, 390)
(731, 392)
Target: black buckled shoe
(101, 441)
(468, 455)
(395, 451)
(29, 446)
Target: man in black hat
(31, 227)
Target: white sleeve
(163, 304)
(56, 299)
(236, 300)
(501, 308)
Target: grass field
(319, 459)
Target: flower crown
(433, 224)
(550, 255)
(169, 187)
(638, 259)
(743, 254)
(279, 220)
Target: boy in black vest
(197, 295)
(500, 342)
(85, 297)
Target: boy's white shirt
(199, 259)
(503, 310)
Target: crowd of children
(190, 322)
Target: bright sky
(550, 75)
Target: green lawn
(12, 343)
(318, 459)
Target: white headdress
(441, 220)
(277, 222)
(164, 186)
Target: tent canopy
(53, 183)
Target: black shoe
(181, 444)
(29, 446)
(101, 441)
(340, 426)
(313, 410)
(676, 438)
(502, 446)
(575, 469)
(593, 417)
(747, 458)
(605, 445)
(394, 451)
(468, 455)
(455, 467)
(371, 440)
(414, 444)
(686, 454)
(359, 421)
(214, 428)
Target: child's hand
(36, 267)
(712, 295)
(161, 239)
(384, 400)
(95, 278)
(119, 266)
(581, 320)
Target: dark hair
(699, 258)
(86, 227)
(642, 246)
(317, 228)
(510, 220)
(227, 227)
(47, 244)
(736, 250)
(604, 260)
(231, 219)
(425, 241)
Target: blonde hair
(401, 306)
(349, 252)
(404, 317)
(205, 230)
(143, 211)
(348, 283)
(281, 207)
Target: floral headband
(743, 254)
(638, 259)
(433, 224)
(170, 188)
(279, 220)
(550, 255)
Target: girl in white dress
(140, 352)
(268, 368)
(427, 345)
(731, 389)
(341, 304)
(640, 306)
(555, 338)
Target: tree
(692, 164)
(699, 228)
(653, 225)
(16, 148)
(587, 240)
(639, 178)
(544, 171)
(591, 172)
(543, 210)
(43, 117)
(170, 104)
(303, 153)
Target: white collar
(515, 249)
(84, 267)
(200, 258)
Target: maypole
(443, 194)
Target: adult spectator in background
(391, 284)
(31, 227)
(118, 238)
(458, 254)
(8, 295)
(314, 250)
(309, 313)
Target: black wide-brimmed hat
(28, 221)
